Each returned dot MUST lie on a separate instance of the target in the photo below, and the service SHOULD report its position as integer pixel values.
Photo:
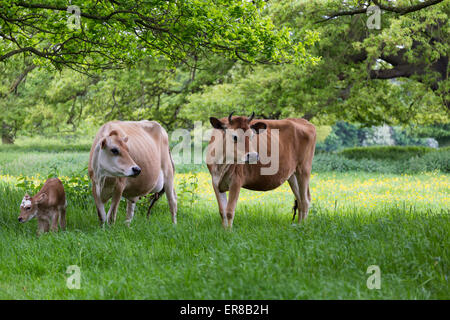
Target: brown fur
(144, 143)
(297, 139)
(49, 206)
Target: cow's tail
(295, 207)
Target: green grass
(400, 223)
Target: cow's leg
(115, 201)
(222, 201)
(233, 197)
(293, 183)
(303, 177)
(99, 204)
(131, 205)
(171, 196)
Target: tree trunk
(7, 134)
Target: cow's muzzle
(136, 171)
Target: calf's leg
(299, 183)
(55, 220)
(293, 183)
(303, 178)
(43, 225)
(63, 218)
(222, 201)
(233, 197)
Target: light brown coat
(296, 143)
(130, 159)
(48, 206)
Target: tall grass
(399, 222)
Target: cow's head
(239, 132)
(114, 157)
(29, 206)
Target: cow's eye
(235, 138)
(28, 208)
(115, 151)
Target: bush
(335, 162)
(76, 187)
(439, 160)
(386, 152)
(436, 160)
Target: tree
(395, 75)
(163, 39)
(13, 104)
(114, 33)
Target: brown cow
(48, 205)
(130, 159)
(295, 141)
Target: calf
(48, 205)
(234, 160)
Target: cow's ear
(41, 197)
(216, 123)
(258, 126)
(103, 143)
(125, 139)
(113, 133)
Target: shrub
(335, 162)
(76, 187)
(436, 160)
(439, 160)
(385, 152)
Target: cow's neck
(225, 173)
(221, 173)
(99, 175)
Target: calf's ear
(41, 197)
(258, 126)
(216, 123)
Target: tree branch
(399, 10)
(20, 78)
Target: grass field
(399, 222)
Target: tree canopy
(398, 74)
(113, 33)
(181, 61)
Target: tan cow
(130, 159)
(48, 205)
(295, 141)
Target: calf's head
(29, 206)
(237, 136)
(114, 157)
